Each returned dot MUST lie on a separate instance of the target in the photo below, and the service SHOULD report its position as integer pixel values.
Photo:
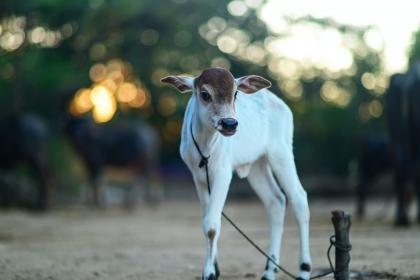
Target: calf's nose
(229, 124)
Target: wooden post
(342, 222)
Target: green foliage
(414, 52)
(160, 37)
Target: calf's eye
(205, 96)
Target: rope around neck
(204, 161)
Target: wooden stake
(342, 222)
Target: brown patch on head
(222, 82)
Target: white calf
(263, 127)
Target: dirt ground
(167, 243)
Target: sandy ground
(167, 243)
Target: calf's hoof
(305, 271)
(216, 269)
(269, 275)
(210, 277)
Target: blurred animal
(374, 160)
(132, 146)
(23, 141)
(261, 128)
(403, 112)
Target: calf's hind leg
(284, 168)
(262, 181)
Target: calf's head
(216, 90)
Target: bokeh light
(237, 8)
(368, 81)
(14, 33)
(97, 72)
(126, 92)
(113, 84)
(333, 94)
(292, 89)
(167, 105)
(149, 37)
(81, 102)
(375, 108)
(104, 104)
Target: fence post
(342, 222)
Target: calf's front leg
(203, 195)
(219, 185)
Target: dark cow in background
(403, 110)
(374, 160)
(134, 146)
(23, 140)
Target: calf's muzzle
(228, 125)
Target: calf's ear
(252, 83)
(181, 83)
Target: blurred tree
(48, 47)
(334, 108)
(414, 51)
